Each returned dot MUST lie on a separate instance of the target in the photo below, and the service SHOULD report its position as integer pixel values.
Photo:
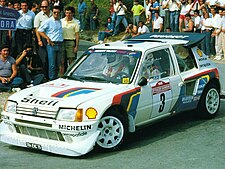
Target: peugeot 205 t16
(112, 90)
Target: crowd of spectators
(200, 16)
(52, 29)
(44, 43)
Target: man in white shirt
(223, 34)
(142, 29)
(216, 28)
(157, 23)
(120, 10)
(218, 36)
(197, 22)
(174, 8)
(24, 26)
(207, 30)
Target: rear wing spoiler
(192, 38)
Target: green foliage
(103, 6)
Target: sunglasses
(44, 6)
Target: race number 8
(162, 99)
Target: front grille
(36, 111)
(46, 134)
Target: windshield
(116, 66)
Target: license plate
(34, 146)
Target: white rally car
(113, 89)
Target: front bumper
(73, 143)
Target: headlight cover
(10, 106)
(71, 115)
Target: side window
(185, 58)
(157, 65)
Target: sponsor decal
(169, 36)
(199, 52)
(161, 87)
(75, 128)
(203, 81)
(202, 59)
(56, 85)
(91, 113)
(39, 101)
(201, 86)
(74, 92)
(34, 146)
(199, 92)
(187, 99)
(196, 98)
(205, 65)
(80, 134)
(126, 80)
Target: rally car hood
(62, 92)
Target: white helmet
(114, 59)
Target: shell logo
(199, 52)
(91, 113)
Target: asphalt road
(181, 142)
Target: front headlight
(70, 115)
(10, 106)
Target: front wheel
(113, 130)
(210, 102)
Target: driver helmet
(181, 52)
(114, 59)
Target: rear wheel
(113, 130)
(210, 102)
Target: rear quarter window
(185, 58)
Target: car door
(162, 89)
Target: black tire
(209, 103)
(113, 128)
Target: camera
(29, 53)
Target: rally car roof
(192, 39)
(127, 45)
(153, 40)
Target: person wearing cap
(8, 71)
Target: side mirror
(143, 81)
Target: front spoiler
(62, 148)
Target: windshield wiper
(71, 78)
(96, 79)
